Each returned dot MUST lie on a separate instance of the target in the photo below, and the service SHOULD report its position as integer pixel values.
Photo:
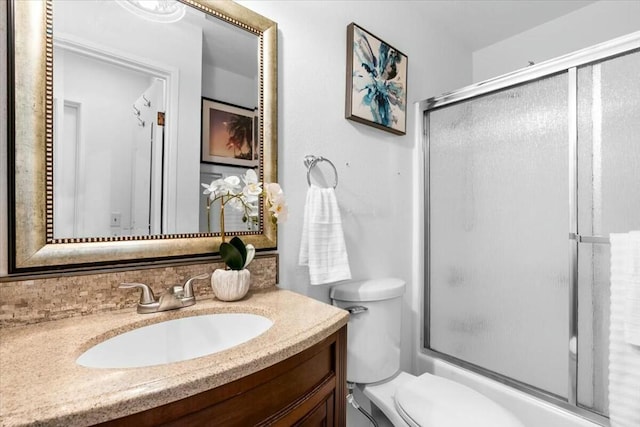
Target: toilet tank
(373, 331)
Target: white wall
(232, 88)
(376, 169)
(590, 25)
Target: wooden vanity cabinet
(307, 389)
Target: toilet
(373, 360)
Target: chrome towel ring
(310, 161)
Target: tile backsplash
(50, 298)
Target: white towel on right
(322, 246)
(624, 329)
(632, 304)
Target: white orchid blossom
(245, 198)
(230, 185)
(276, 202)
(232, 181)
(209, 188)
(252, 186)
(280, 212)
(222, 187)
(236, 203)
(274, 194)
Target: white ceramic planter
(230, 285)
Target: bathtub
(532, 411)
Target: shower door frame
(568, 64)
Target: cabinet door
(320, 416)
(316, 408)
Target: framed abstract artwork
(376, 82)
(228, 134)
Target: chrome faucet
(175, 297)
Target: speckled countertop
(41, 384)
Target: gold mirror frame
(32, 246)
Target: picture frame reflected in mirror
(229, 134)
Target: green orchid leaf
(231, 256)
(241, 247)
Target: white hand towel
(322, 246)
(632, 305)
(624, 357)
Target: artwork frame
(218, 144)
(384, 109)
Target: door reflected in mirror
(129, 89)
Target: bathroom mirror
(131, 89)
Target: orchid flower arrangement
(243, 194)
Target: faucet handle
(146, 296)
(188, 285)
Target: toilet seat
(382, 396)
(432, 401)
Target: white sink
(175, 340)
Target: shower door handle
(603, 240)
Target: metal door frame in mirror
(31, 243)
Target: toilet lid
(429, 401)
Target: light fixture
(165, 11)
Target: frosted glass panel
(609, 201)
(498, 233)
(593, 326)
(609, 146)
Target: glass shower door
(608, 202)
(527, 176)
(498, 233)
